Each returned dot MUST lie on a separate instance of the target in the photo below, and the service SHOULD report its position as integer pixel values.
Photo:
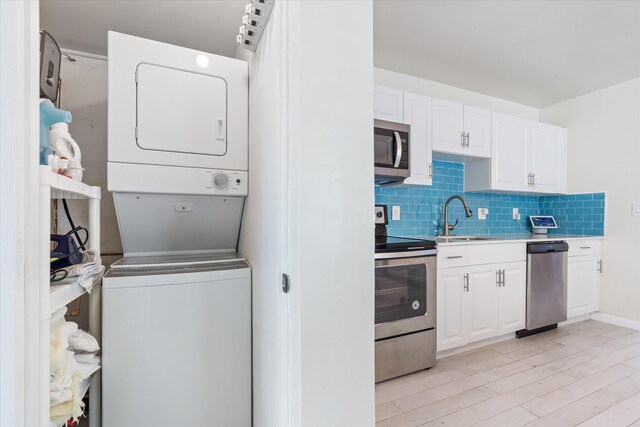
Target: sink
(464, 238)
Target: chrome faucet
(447, 228)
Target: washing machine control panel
(128, 178)
(227, 182)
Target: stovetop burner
(386, 243)
(402, 244)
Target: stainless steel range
(405, 302)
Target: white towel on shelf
(71, 409)
(85, 370)
(58, 317)
(83, 342)
(60, 334)
(87, 357)
(61, 380)
(89, 271)
(58, 397)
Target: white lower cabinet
(452, 317)
(479, 302)
(512, 298)
(582, 287)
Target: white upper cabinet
(417, 114)
(394, 105)
(447, 126)
(509, 153)
(526, 156)
(460, 129)
(477, 127)
(504, 153)
(547, 157)
(388, 104)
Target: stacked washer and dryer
(176, 330)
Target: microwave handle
(398, 149)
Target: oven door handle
(396, 136)
(410, 254)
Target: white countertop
(505, 238)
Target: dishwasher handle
(545, 247)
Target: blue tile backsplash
(421, 208)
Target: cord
(74, 229)
(61, 273)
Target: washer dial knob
(221, 180)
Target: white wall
(603, 131)
(309, 214)
(262, 237)
(331, 234)
(20, 298)
(450, 93)
(84, 93)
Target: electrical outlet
(516, 214)
(395, 213)
(482, 213)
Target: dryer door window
(180, 111)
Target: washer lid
(172, 224)
(169, 261)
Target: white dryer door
(173, 106)
(180, 111)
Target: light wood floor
(586, 374)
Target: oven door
(405, 295)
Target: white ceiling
(534, 52)
(82, 25)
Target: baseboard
(615, 320)
(475, 345)
(576, 319)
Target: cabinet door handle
(600, 266)
(467, 140)
(585, 247)
(430, 170)
(466, 282)
(502, 278)
(454, 257)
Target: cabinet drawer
(496, 252)
(584, 247)
(452, 256)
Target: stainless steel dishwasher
(546, 287)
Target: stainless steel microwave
(391, 151)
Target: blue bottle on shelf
(49, 115)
